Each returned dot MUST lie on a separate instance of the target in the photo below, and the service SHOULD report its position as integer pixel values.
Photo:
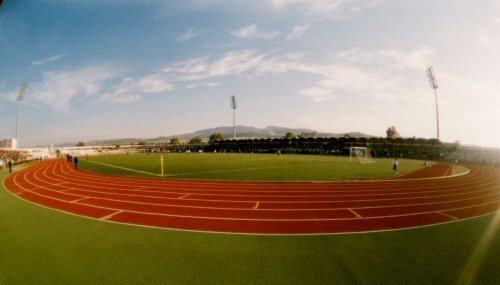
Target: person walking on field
(10, 165)
(75, 161)
(395, 166)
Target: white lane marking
(447, 215)
(240, 209)
(256, 205)
(79, 199)
(382, 191)
(125, 168)
(320, 201)
(354, 213)
(250, 219)
(251, 234)
(184, 196)
(270, 202)
(111, 215)
(284, 201)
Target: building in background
(9, 143)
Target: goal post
(362, 154)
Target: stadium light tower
(434, 85)
(20, 97)
(234, 105)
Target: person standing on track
(75, 161)
(395, 166)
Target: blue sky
(114, 69)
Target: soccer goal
(361, 153)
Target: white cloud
(383, 74)
(354, 72)
(297, 32)
(317, 93)
(59, 89)
(213, 84)
(252, 31)
(193, 66)
(310, 9)
(190, 34)
(48, 60)
(190, 86)
(325, 7)
(236, 63)
(417, 59)
(120, 98)
(10, 96)
(131, 90)
(312, 6)
(386, 81)
(488, 40)
(231, 63)
(154, 83)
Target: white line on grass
(191, 173)
(124, 168)
(229, 170)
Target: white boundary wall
(51, 152)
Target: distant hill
(241, 132)
(246, 132)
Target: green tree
(196, 140)
(392, 133)
(290, 135)
(80, 143)
(175, 141)
(215, 136)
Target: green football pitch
(43, 246)
(248, 167)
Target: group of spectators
(7, 162)
(9, 158)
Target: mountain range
(241, 132)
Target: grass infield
(248, 167)
(42, 246)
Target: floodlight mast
(20, 97)
(434, 85)
(234, 105)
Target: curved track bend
(260, 207)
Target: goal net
(362, 154)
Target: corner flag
(161, 162)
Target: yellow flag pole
(161, 162)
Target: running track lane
(262, 207)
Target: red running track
(262, 207)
